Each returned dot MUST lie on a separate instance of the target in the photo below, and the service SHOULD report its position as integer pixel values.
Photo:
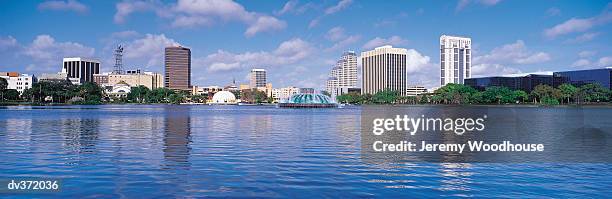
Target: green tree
(546, 94)
(385, 97)
(90, 92)
(3, 85)
(521, 96)
(159, 95)
(593, 93)
(366, 98)
(59, 91)
(253, 96)
(567, 91)
(455, 94)
(139, 94)
(498, 95)
(350, 98)
(198, 98)
(176, 98)
(11, 94)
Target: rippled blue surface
(148, 151)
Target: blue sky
(298, 41)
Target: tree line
(463, 94)
(64, 92)
(91, 93)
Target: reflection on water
(229, 151)
(177, 137)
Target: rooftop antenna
(118, 69)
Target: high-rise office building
(343, 75)
(384, 68)
(83, 69)
(258, 78)
(455, 59)
(178, 68)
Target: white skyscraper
(384, 68)
(455, 59)
(258, 78)
(344, 75)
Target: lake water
(137, 151)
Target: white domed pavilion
(224, 97)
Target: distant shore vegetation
(63, 92)
(462, 94)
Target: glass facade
(526, 83)
(581, 77)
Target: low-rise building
(601, 76)
(58, 77)
(287, 92)
(19, 82)
(150, 80)
(206, 90)
(525, 82)
(415, 90)
(119, 90)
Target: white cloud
(43, 54)
(581, 63)
(534, 58)
(292, 6)
(464, 3)
(586, 53)
(196, 13)
(288, 52)
(191, 21)
(569, 26)
(344, 42)
(584, 37)
(125, 8)
(515, 53)
(587, 60)
(125, 34)
(223, 66)
(335, 34)
(314, 22)
(575, 25)
(342, 4)
(492, 70)
(149, 49)
(552, 12)
(415, 61)
(605, 61)
(44, 48)
(338, 35)
(377, 42)
(69, 5)
(288, 7)
(497, 61)
(421, 71)
(265, 24)
(8, 43)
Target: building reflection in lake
(177, 137)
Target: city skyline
(298, 41)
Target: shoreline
(605, 105)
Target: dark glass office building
(526, 83)
(602, 76)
